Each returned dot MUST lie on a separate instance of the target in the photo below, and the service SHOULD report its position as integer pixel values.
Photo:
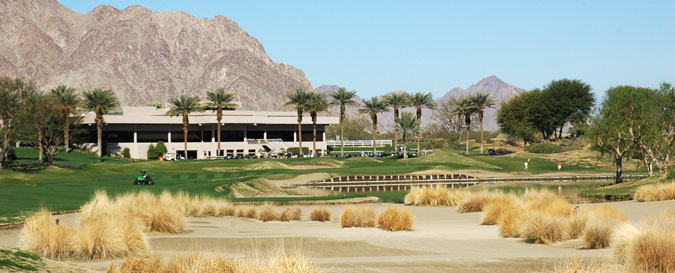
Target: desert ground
(443, 240)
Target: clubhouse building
(242, 132)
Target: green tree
(182, 107)
(68, 100)
(316, 103)
(219, 100)
(421, 100)
(298, 98)
(408, 124)
(448, 120)
(542, 116)
(342, 98)
(13, 92)
(43, 117)
(373, 107)
(161, 148)
(396, 101)
(152, 152)
(655, 132)
(467, 109)
(101, 102)
(514, 118)
(569, 100)
(126, 153)
(481, 101)
(620, 120)
(354, 128)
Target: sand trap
(300, 179)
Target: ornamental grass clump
(475, 202)
(655, 192)
(543, 228)
(320, 214)
(358, 217)
(433, 197)
(268, 213)
(494, 209)
(393, 219)
(650, 248)
(291, 214)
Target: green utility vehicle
(144, 178)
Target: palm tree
(67, 100)
(396, 101)
(218, 101)
(342, 98)
(298, 98)
(481, 101)
(421, 100)
(407, 123)
(316, 103)
(101, 102)
(464, 107)
(373, 107)
(183, 106)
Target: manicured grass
(68, 187)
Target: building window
(152, 137)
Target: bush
(161, 148)
(357, 217)
(476, 201)
(393, 219)
(544, 228)
(493, 209)
(544, 148)
(126, 153)
(655, 192)
(152, 152)
(268, 213)
(598, 233)
(321, 214)
(433, 197)
(437, 144)
(295, 150)
(652, 249)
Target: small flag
(528, 159)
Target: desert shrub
(393, 219)
(438, 196)
(288, 214)
(202, 263)
(126, 153)
(544, 148)
(41, 235)
(597, 234)
(296, 150)
(509, 222)
(652, 249)
(494, 208)
(358, 217)
(268, 213)
(296, 213)
(544, 228)
(655, 192)
(578, 224)
(321, 214)
(622, 238)
(476, 201)
(600, 223)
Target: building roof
(152, 115)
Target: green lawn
(67, 188)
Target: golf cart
(144, 178)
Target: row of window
(177, 136)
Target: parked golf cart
(144, 179)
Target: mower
(144, 178)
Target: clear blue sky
(378, 46)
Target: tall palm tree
(421, 100)
(464, 107)
(183, 106)
(316, 103)
(397, 101)
(482, 101)
(373, 107)
(101, 102)
(342, 98)
(298, 98)
(67, 100)
(219, 100)
(407, 123)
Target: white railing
(357, 143)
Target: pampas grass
(393, 219)
(320, 214)
(438, 196)
(358, 217)
(41, 235)
(655, 192)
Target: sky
(375, 47)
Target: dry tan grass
(576, 266)
(541, 227)
(652, 249)
(494, 208)
(102, 237)
(655, 192)
(207, 263)
(320, 214)
(437, 196)
(358, 217)
(268, 213)
(393, 219)
(475, 202)
(509, 222)
(622, 238)
(288, 214)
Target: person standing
(526, 163)
(559, 165)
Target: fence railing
(356, 143)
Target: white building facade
(242, 132)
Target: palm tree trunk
(395, 129)
(374, 138)
(99, 135)
(314, 140)
(220, 118)
(405, 146)
(300, 153)
(5, 142)
(39, 142)
(66, 133)
(481, 133)
(342, 130)
(468, 128)
(185, 134)
(419, 130)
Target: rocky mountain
(498, 89)
(145, 57)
